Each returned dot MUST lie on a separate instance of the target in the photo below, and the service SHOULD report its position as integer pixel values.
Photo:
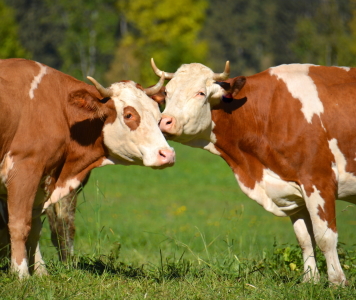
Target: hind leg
(304, 232)
(323, 217)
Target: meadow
(186, 232)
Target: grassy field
(186, 232)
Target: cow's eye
(201, 94)
(128, 116)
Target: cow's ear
(237, 84)
(232, 86)
(88, 103)
(160, 97)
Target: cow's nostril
(169, 122)
(162, 154)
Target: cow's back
(33, 100)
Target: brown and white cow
(61, 215)
(54, 130)
(289, 135)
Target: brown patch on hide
(131, 117)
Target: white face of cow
(189, 97)
(134, 137)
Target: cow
(288, 134)
(54, 130)
(61, 215)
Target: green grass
(186, 232)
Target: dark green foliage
(77, 37)
(324, 36)
(255, 35)
(9, 34)
(38, 33)
(88, 38)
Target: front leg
(304, 231)
(22, 183)
(36, 263)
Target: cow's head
(131, 131)
(190, 95)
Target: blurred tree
(166, 30)
(252, 34)
(38, 34)
(75, 36)
(352, 39)
(324, 37)
(234, 30)
(88, 37)
(10, 44)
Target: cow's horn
(155, 89)
(225, 74)
(159, 72)
(104, 92)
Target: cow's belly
(347, 187)
(277, 196)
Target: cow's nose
(166, 156)
(167, 123)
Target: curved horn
(159, 72)
(104, 92)
(225, 74)
(155, 89)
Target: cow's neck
(85, 135)
(239, 134)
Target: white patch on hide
(106, 162)
(346, 181)
(21, 269)
(40, 267)
(212, 134)
(37, 79)
(5, 167)
(314, 203)
(345, 68)
(301, 87)
(277, 196)
(61, 192)
(47, 182)
(325, 238)
(211, 146)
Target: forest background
(114, 40)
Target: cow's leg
(36, 263)
(22, 184)
(61, 217)
(304, 231)
(323, 217)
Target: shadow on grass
(105, 264)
